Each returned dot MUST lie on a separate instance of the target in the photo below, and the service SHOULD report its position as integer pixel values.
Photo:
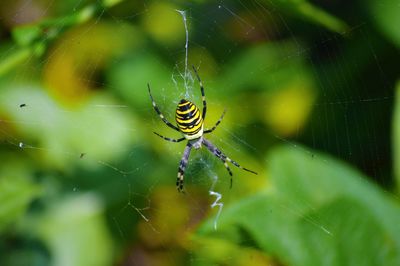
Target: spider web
(123, 167)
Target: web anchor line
(185, 76)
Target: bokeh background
(310, 89)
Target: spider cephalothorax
(190, 122)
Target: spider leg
(159, 112)
(182, 166)
(203, 96)
(169, 139)
(216, 124)
(218, 153)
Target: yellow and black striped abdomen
(189, 119)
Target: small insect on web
(190, 123)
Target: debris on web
(216, 203)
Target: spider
(190, 123)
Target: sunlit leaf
(130, 77)
(288, 85)
(386, 14)
(15, 58)
(287, 110)
(155, 19)
(61, 135)
(70, 72)
(266, 66)
(396, 137)
(16, 193)
(304, 9)
(27, 34)
(75, 232)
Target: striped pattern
(203, 96)
(182, 166)
(159, 112)
(190, 123)
(188, 118)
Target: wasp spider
(190, 122)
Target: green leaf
(268, 70)
(318, 211)
(64, 135)
(16, 193)
(129, 77)
(14, 59)
(310, 12)
(111, 3)
(27, 34)
(396, 137)
(75, 232)
(386, 14)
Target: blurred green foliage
(319, 212)
(386, 14)
(83, 180)
(396, 136)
